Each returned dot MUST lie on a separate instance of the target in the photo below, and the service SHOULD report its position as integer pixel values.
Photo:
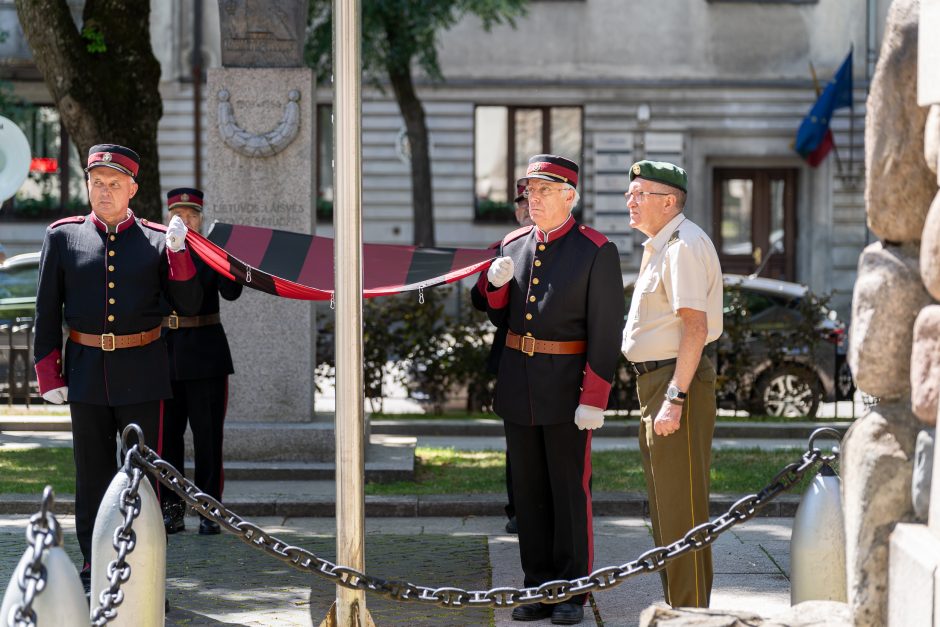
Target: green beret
(661, 172)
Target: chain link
(124, 542)
(42, 534)
(651, 561)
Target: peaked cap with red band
(552, 168)
(184, 197)
(119, 158)
(520, 191)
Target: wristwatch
(674, 396)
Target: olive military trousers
(677, 478)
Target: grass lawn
(442, 471)
(446, 471)
(28, 471)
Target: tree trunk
(108, 96)
(413, 112)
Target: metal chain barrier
(451, 597)
(124, 542)
(42, 534)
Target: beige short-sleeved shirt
(682, 271)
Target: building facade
(718, 86)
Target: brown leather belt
(529, 345)
(642, 367)
(183, 322)
(109, 341)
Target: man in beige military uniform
(676, 310)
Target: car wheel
(788, 392)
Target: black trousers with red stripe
(551, 479)
(95, 433)
(201, 403)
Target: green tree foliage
(396, 36)
(103, 78)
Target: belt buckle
(174, 321)
(104, 345)
(531, 352)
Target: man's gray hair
(577, 195)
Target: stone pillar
(914, 579)
(272, 339)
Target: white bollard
(61, 603)
(817, 544)
(145, 591)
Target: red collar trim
(123, 225)
(556, 233)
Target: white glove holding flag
(501, 270)
(57, 396)
(588, 417)
(176, 234)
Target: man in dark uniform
(109, 270)
(200, 362)
(557, 287)
(478, 298)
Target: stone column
(272, 339)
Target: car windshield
(19, 281)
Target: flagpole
(835, 148)
(349, 610)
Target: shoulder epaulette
(595, 236)
(525, 230)
(156, 226)
(68, 220)
(673, 238)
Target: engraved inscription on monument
(262, 33)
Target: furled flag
(814, 138)
(300, 266)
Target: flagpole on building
(835, 148)
(349, 610)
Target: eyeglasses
(638, 196)
(542, 190)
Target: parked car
(784, 376)
(18, 279)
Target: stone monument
(260, 141)
(261, 172)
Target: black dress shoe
(567, 614)
(512, 526)
(534, 611)
(209, 527)
(174, 518)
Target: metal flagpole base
(360, 617)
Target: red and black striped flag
(294, 265)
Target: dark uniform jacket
(108, 283)
(566, 287)
(478, 299)
(203, 352)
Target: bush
(429, 352)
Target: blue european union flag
(836, 95)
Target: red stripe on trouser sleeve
(589, 513)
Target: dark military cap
(113, 156)
(184, 197)
(552, 168)
(661, 172)
(520, 189)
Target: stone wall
(896, 323)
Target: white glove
(176, 234)
(58, 395)
(501, 270)
(588, 417)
